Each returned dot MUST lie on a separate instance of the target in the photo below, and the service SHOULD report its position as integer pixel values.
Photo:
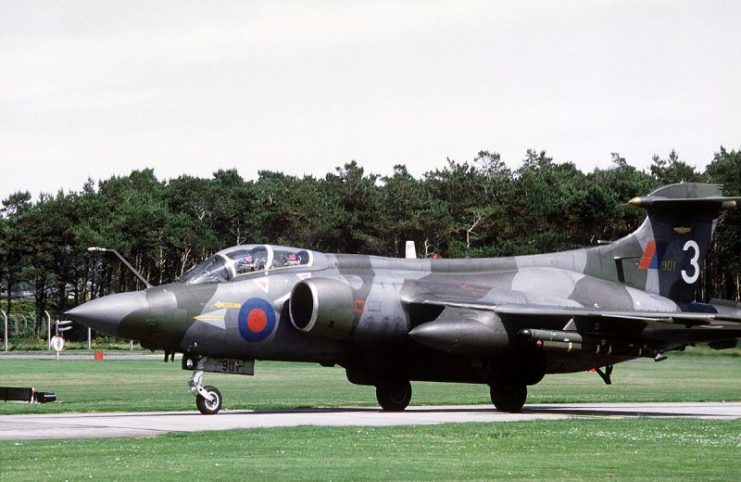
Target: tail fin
(676, 236)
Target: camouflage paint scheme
(505, 322)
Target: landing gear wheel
(508, 397)
(209, 407)
(394, 396)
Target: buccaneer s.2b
(504, 322)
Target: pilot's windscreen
(212, 270)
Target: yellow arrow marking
(220, 305)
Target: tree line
(473, 208)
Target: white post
(48, 330)
(411, 250)
(5, 330)
(89, 337)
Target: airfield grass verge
(148, 385)
(677, 449)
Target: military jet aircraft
(503, 322)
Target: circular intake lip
(303, 306)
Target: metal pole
(5, 330)
(89, 337)
(123, 260)
(48, 330)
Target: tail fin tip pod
(684, 194)
(677, 236)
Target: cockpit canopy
(238, 261)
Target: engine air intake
(322, 307)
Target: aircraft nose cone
(106, 313)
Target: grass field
(647, 449)
(573, 449)
(142, 385)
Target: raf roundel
(256, 320)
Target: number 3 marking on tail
(689, 279)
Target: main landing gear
(509, 378)
(394, 396)
(508, 396)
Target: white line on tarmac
(145, 424)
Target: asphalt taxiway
(147, 424)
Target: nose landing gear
(208, 398)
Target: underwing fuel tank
(463, 331)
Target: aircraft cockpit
(238, 261)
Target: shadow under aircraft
(503, 322)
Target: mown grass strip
(677, 449)
(145, 385)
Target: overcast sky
(97, 88)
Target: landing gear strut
(208, 398)
(508, 396)
(394, 396)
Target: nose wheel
(211, 405)
(208, 398)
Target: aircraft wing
(529, 311)
(476, 327)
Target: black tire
(508, 397)
(394, 396)
(206, 407)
